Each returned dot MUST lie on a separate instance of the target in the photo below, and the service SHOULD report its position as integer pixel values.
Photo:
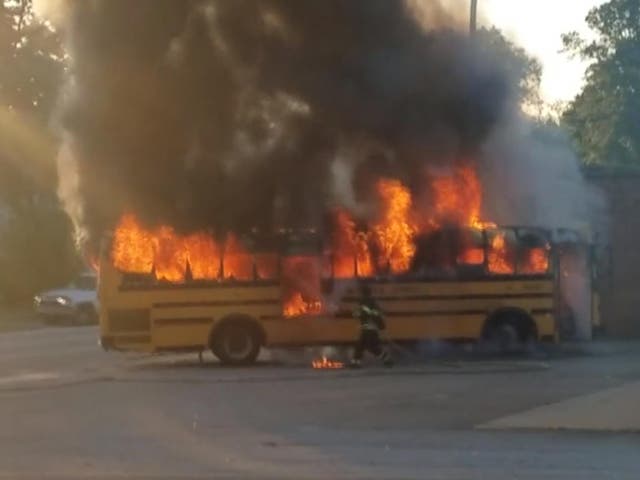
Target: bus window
(301, 285)
(344, 265)
(574, 302)
(501, 251)
(352, 258)
(533, 257)
(266, 266)
(237, 262)
(435, 255)
(327, 264)
(470, 250)
(364, 262)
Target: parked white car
(77, 303)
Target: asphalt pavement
(69, 410)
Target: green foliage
(30, 61)
(35, 240)
(35, 251)
(604, 118)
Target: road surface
(69, 410)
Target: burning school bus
(447, 276)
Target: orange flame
(351, 252)
(237, 262)
(395, 231)
(133, 246)
(325, 363)
(498, 257)
(204, 256)
(537, 261)
(297, 305)
(301, 285)
(387, 242)
(169, 255)
(471, 256)
(457, 198)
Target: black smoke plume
(235, 114)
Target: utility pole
(473, 17)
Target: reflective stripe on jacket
(370, 317)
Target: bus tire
(508, 331)
(236, 342)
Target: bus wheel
(508, 334)
(236, 343)
(503, 338)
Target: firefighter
(371, 323)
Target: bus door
(574, 285)
(601, 280)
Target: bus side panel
(546, 325)
(464, 305)
(440, 326)
(175, 317)
(310, 330)
(191, 326)
(325, 330)
(181, 332)
(459, 289)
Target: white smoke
(444, 13)
(532, 176)
(68, 187)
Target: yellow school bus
(496, 284)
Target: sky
(536, 25)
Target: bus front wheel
(236, 343)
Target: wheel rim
(507, 337)
(238, 344)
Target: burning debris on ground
(325, 363)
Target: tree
(30, 60)
(604, 118)
(34, 233)
(31, 70)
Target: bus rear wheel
(508, 333)
(503, 338)
(236, 344)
